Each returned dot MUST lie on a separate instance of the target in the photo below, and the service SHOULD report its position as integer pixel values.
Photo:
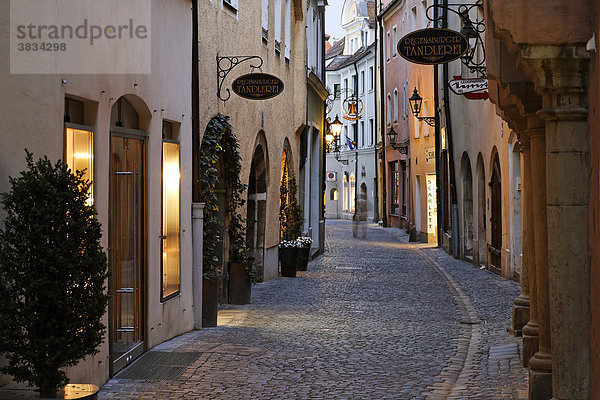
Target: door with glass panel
(127, 248)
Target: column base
(540, 376)
(531, 342)
(520, 315)
(540, 385)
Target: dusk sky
(332, 18)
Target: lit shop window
(170, 225)
(80, 155)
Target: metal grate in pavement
(159, 366)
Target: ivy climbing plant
(219, 143)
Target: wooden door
(127, 247)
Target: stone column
(531, 330)
(562, 76)
(540, 365)
(568, 180)
(520, 312)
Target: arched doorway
(257, 206)
(467, 203)
(480, 258)
(223, 194)
(496, 218)
(127, 244)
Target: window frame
(92, 130)
(176, 293)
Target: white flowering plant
(289, 244)
(304, 241)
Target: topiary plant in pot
(53, 272)
(290, 221)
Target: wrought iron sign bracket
(429, 120)
(472, 29)
(226, 64)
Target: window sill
(169, 297)
(229, 7)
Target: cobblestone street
(374, 318)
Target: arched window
(345, 192)
(426, 112)
(333, 195)
(388, 111)
(396, 105)
(352, 193)
(405, 104)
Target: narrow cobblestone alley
(373, 318)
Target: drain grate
(159, 366)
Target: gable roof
(336, 49)
(343, 61)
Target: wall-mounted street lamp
(415, 106)
(332, 138)
(401, 147)
(336, 127)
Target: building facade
(351, 172)
(129, 132)
(544, 83)
(139, 136)
(409, 157)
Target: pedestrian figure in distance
(360, 217)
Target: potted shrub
(241, 270)
(53, 272)
(290, 222)
(304, 243)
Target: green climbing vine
(219, 142)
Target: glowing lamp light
(336, 127)
(415, 103)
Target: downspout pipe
(356, 148)
(448, 116)
(322, 133)
(381, 120)
(376, 186)
(438, 141)
(195, 108)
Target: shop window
(171, 279)
(80, 153)
(395, 185)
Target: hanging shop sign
(257, 86)
(352, 108)
(462, 86)
(432, 46)
(430, 155)
(472, 89)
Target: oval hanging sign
(432, 46)
(257, 86)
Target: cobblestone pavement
(373, 318)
